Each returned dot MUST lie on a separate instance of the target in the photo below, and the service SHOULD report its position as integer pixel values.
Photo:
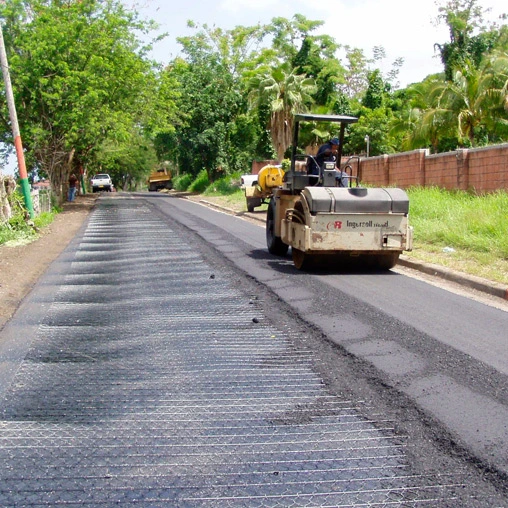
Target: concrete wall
(479, 169)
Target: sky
(404, 28)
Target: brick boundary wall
(479, 169)
(258, 165)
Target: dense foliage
(80, 80)
(90, 100)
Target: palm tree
(413, 124)
(287, 93)
(475, 101)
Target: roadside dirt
(21, 266)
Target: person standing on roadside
(73, 183)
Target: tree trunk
(57, 163)
(7, 187)
(281, 132)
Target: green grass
(461, 220)
(461, 230)
(224, 187)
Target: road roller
(328, 218)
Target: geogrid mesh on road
(149, 384)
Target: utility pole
(25, 185)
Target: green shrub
(200, 183)
(45, 218)
(223, 187)
(182, 182)
(20, 228)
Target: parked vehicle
(258, 188)
(101, 182)
(160, 179)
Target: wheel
(274, 243)
(299, 258)
(252, 203)
(303, 260)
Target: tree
(289, 35)
(316, 60)
(473, 104)
(129, 162)
(470, 110)
(464, 18)
(356, 75)
(210, 103)
(216, 130)
(287, 93)
(235, 49)
(80, 75)
(375, 123)
(408, 125)
(374, 96)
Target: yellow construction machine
(328, 218)
(258, 188)
(160, 179)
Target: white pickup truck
(101, 182)
(248, 181)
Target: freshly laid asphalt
(135, 375)
(488, 287)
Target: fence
(41, 201)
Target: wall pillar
(386, 169)
(462, 168)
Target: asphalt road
(147, 369)
(446, 352)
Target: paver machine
(329, 218)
